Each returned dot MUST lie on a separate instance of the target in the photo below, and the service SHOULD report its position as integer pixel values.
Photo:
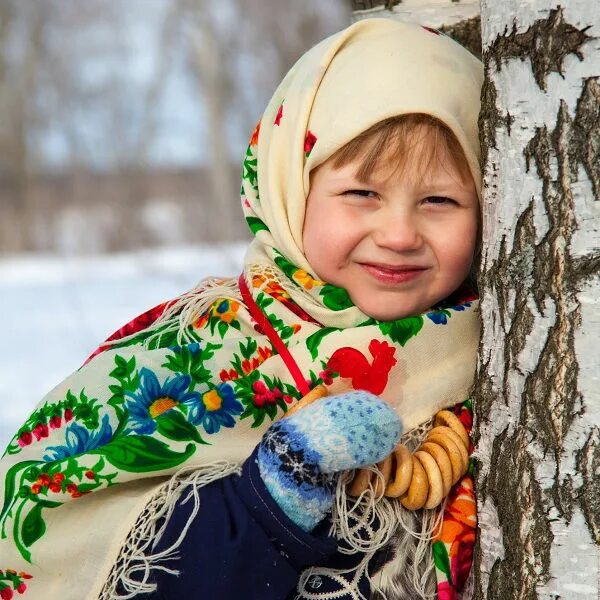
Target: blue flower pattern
(153, 399)
(214, 409)
(78, 440)
(440, 316)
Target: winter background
(124, 125)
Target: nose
(398, 231)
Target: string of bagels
(422, 479)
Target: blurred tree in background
(123, 124)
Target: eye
(361, 193)
(440, 201)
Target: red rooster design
(365, 375)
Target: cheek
(462, 249)
(328, 238)
(314, 234)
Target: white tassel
(131, 573)
(190, 306)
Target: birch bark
(538, 393)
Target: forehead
(416, 146)
(425, 164)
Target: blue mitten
(300, 456)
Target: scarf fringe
(181, 314)
(410, 573)
(272, 274)
(186, 310)
(131, 573)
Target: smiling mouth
(391, 274)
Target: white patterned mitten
(300, 456)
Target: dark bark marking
(490, 117)
(564, 496)
(517, 271)
(552, 391)
(367, 4)
(546, 43)
(586, 133)
(588, 464)
(486, 397)
(467, 33)
(584, 268)
(389, 4)
(519, 500)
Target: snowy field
(55, 311)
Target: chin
(388, 314)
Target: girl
(361, 186)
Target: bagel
(361, 482)
(434, 478)
(464, 454)
(459, 467)
(402, 472)
(416, 495)
(443, 462)
(448, 419)
(385, 468)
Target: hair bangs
(417, 141)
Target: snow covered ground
(55, 311)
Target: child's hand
(300, 456)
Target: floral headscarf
(375, 69)
(193, 384)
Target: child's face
(398, 245)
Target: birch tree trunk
(538, 392)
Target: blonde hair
(395, 142)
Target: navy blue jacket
(242, 545)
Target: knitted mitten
(299, 456)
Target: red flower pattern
(10, 581)
(309, 142)
(40, 431)
(279, 115)
(134, 326)
(255, 133)
(446, 591)
(25, 439)
(326, 376)
(263, 395)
